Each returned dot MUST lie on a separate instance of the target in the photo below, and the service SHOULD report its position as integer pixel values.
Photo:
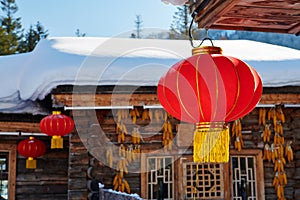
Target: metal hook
(191, 38)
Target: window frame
(11, 149)
(178, 183)
(189, 158)
(259, 167)
(144, 178)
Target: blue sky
(96, 18)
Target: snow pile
(135, 196)
(115, 61)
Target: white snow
(136, 196)
(118, 61)
(175, 2)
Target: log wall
(49, 180)
(96, 129)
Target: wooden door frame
(11, 149)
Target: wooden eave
(278, 16)
(147, 96)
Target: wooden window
(158, 177)
(203, 181)
(185, 179)
(7, 171)
(246, 175)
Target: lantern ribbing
(31, 148)
(56, 125)
(211, 88)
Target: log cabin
(99, 86)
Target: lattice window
(203, 181)
(160, 177)
(244, 183)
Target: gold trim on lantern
(206, 50)
(56, 112)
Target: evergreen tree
(32, 37)
(11, 26)
(79, 34)
(181, 24)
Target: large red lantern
(56, 125)
(31, 148)
(210, 89)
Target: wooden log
(93, 185)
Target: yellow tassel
(211, 144)
(30, 163)
(57, 142)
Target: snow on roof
(119, 61)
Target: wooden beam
(295, 29)
(61, 100)
(283, 4)
(27, 127)
(206, 17)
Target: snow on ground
(115, 61)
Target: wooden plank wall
(50, 179)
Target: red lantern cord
(56, 125)
(31, 149)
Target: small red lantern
(56, 125)
(31, 149)
(210, 89)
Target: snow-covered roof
(123, 61)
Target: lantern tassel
(211, 144)
(57, 142)
(30, 163)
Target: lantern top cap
(206, 50)
(56, 112)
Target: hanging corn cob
(289, 152)
(109, 156)
(236, 133)
(167, 137)
(122, 165)
(276, 151)
(279, 165)
(122, 151)
(134, 114)
(120, 183)
(136, 152)
(267, 153)
(266, 135)
(279, 114)
(136, 136)
(262, 116)
(146, 114)
(121, 131)
(238, 143)
(128, 153)
(282, 179)
(159, 115)
(122, 115)
(272, 116)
